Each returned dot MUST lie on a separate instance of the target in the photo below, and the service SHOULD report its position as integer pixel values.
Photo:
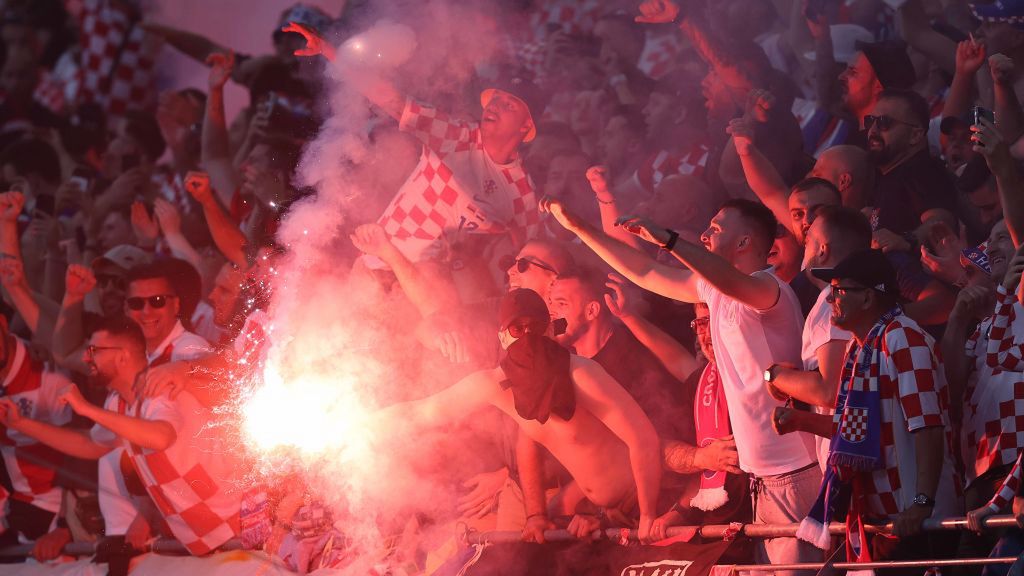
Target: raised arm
(636, 266)
(760, 173)
(617, 410)
(970, 56)
(451, 404)
(216, 151)
(72, 442)
(226, 235)
(382, 93)
(193, 45)
(169, 219)
(989, 141)
(918, 33)
(608, 207)
(68, 334)
(1005, 104)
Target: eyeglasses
(518, 330)
(841, 291)
(701, 323)
(104, 280)
(885, 123)
(92, 350)
(522, 265)
(156, 302)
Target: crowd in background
(789, 230)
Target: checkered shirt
(49, 93)
(667, 163)
(171, 187)
(992, 431)
(1003, 497)
(32, 466)
(913, 395)
(661, 52)
(456, 189)
(189, 481)
(117, 59)
(1005, 345)
(252, 341)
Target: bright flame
(312, 414)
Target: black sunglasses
(156, 302)
(522, 265)
(519, 329)
(884, 122)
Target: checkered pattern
(992, 433)
(570, 16)
(171, 187)
(117, 59)
(30, 465)
(251, 343)
(667, 163)
(854, 426)
(49, 93)
(184, 483)
(661, 52)
(1008, 490)
(531, 56)
(455, 189)
(1005, 346)
(913, 395)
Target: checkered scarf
(857, 441)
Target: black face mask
(538, 373)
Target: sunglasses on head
(156, 302)
(884, 123)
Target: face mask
(506, 339)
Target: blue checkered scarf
(856, 444)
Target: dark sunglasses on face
(885, 123)
(842, 291)
(519, 329)
(522, 265)
(156, 302)
(104, 280)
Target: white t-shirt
(818, 331)
(746, 342)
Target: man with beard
(910, 180)
(164, 453)
(890, 437)
(565, 403)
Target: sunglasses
(156, 302)
(105, 280)
(92, 350)
(522, 265)
(842, 291)
(884, 123)
(520, 329)
(700, 323)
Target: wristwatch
(924, 500)
(769, 373)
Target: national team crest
(855, 425)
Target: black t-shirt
(919, 184)
(659, 395)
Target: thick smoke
(342, 346)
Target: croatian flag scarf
(856, 443)
(711, 419)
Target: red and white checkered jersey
(34, 388)
(569, 16)
(992, 431)
(913, 395)
(180, 344)
(661, 52)
(192, 481)
(117, 58)
(1004, 496)
(1005, 340)
(456, 189)
(691, 161)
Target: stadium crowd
(697, 261)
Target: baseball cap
(527, 92)
(867, 267)
(124, 256)
(522, 303)
(891, 63)
(307, 15)
(950, 123)
(845, 38)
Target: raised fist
(221, 66)
(198, 186)
(658, 12)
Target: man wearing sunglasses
(153, 304)
(567, 404)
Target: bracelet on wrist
(669, 244)
(612, 201)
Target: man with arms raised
(566, 404)
(755, 322)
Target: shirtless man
(569, 405)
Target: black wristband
(669, 244)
